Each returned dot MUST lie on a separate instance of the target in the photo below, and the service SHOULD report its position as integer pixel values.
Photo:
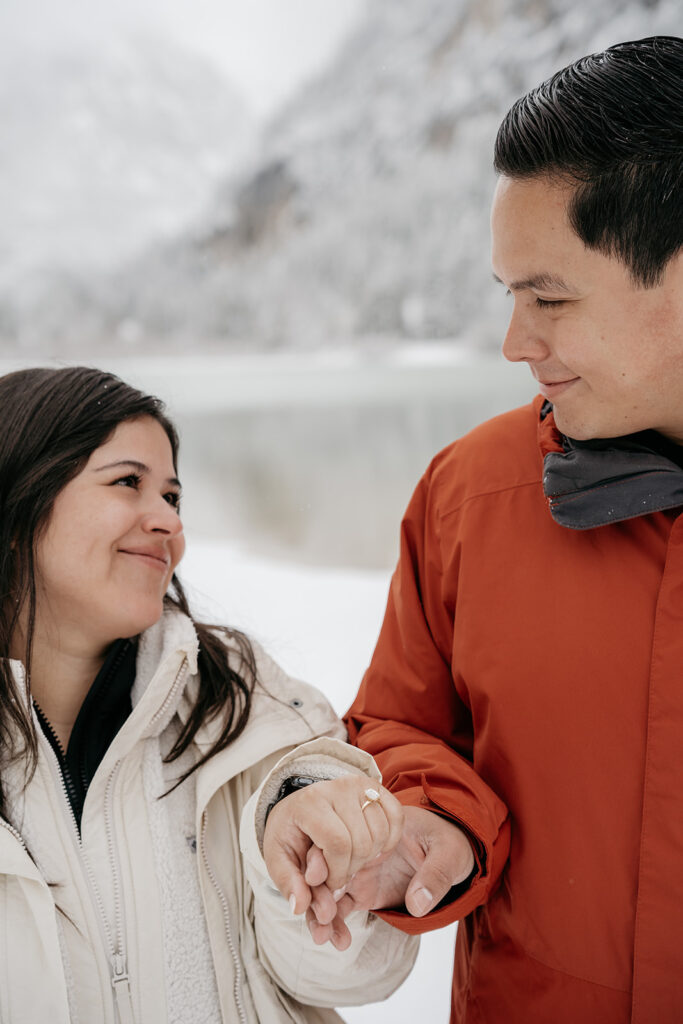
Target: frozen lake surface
(312, 456)
(321, 625)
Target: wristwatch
(290, 785)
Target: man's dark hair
(612, 125)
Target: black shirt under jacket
(106, 707)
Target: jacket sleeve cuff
(490, 841)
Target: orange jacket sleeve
(411, 712)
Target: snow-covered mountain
(103, 151)
(364, 212)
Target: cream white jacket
(103, 930)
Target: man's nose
(523, 341)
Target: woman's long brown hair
(51, 421)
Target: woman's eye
(131, 480)
(134, 480)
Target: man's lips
(158, 559)
(552, 388)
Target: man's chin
(572, 426)
(585, 430)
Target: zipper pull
(119, 982)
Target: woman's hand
(348, 827)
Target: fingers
(433, 855)
(395, 814)
(448, 860)
(290, 881)
(323, 905)
(285, 851)
(374, 826)
(330, 815)
(327, 818)
(336, 932)
(384, 821)
(345, 905)
(316, 867)
(316, 840)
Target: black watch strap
(290, 785)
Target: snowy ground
(321, 625)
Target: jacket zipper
(13, 832)
(119, 962)
(115, 946)
(237, 985)
(170, 696)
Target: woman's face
(112, 542)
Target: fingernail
(422, 899)
(292, 903)
(338, 893)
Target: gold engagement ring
(373, 797)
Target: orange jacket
(528, 684)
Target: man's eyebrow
(539, 282)
(139, 466)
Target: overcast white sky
(267, 47)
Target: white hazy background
(266, 48)
(274, 216)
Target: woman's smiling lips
(156, 557)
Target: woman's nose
(162, 517)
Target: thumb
(438, 873)
(429, 885)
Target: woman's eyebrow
(141, 467)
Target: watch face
(295, 782)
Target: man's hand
(432, 856)
(328, 816)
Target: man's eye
(547, 303)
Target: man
(525, 699)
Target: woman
(139, 750)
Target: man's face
(607, 353)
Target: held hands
(338, 819)
(329, 858)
